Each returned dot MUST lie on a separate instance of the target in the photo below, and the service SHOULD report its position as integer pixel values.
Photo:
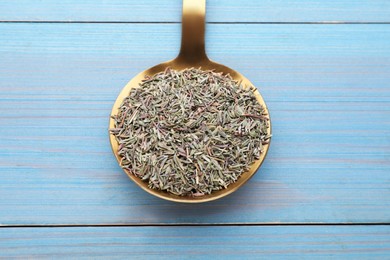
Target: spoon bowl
(192, 54)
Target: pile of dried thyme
(190, 132)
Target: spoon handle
(193, 32)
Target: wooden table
(323, 68)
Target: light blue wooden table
(324, 190)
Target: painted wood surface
(327, 88)
(218, 10)
(270, 242)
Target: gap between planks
(173, 22)
(193, 225)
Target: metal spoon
(192, 54)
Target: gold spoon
(192, 54)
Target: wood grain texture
(276, 242)
(218, 11)
(327, 88)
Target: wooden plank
(291, 242)
(218, 11)
(327, 88)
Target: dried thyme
(190, 132)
